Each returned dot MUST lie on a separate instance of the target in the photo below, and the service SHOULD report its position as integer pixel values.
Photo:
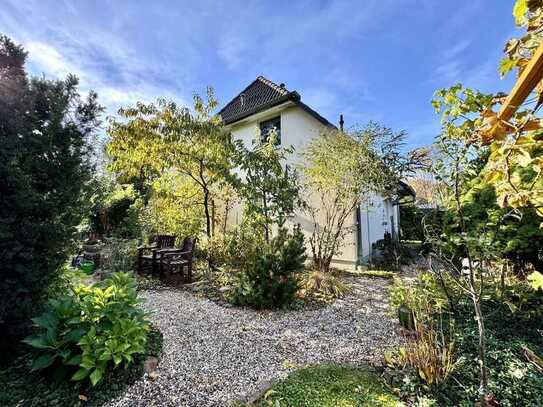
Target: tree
(429, 192)
(339, 171)
(270, 187)
(151, 139)
(45, 129)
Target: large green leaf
(96, 376)
(38, 342)
(43, 361)
(80, 374)
(74, 360)
(47, 321)
(75, 335)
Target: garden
(163, 263)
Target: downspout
(370, 251)
(358, 236)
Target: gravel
(215, 354)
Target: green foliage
(173, 208)
(411, 226)
(513, 322)
(339, 170)
(98, 326)
(45, 164)
(118, 254)
(515, 236)
(513, 381)
(270, 279)
(243, 244)
(58, 341)
(269, 189)
(150, 140)
(21, 386)
(330, 386)
(420, 294)
(110, 208)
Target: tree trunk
(266, 225)
(483, 379)
(476, 299)
(207, 213)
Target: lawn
(330, 386)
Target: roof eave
(294, 96)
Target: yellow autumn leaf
(536, 280)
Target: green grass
(330, 386)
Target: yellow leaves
(524, 159)
(493, 129)
(536, 280)
(519, 11)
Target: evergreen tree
(45, 127)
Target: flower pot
(87, 267)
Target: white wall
(298, 128)
(375, 221)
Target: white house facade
(264, 104)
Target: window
(268, 125)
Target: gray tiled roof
(260, 95)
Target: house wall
(298, 128)
(378, 216)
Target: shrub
(243, 244)
(417, 294)
(97, 326)
(269, 280)
(21, 387)
(424, 365)
(322, 286)
(513, 321)
(45, 165)
(118, 254)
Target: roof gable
(260, 95)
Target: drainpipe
(358, 236)
(369, 238)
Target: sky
(378, 60)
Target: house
(263, 105)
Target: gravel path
(214, 354)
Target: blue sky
(370, 60)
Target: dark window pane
(268, 125)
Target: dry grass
(323, 287)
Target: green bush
(513, 321)
(22, 387)
(84, 334)
(118, 254)
(411, 222)
(243, 244)
(45, 166)
(269, 280)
